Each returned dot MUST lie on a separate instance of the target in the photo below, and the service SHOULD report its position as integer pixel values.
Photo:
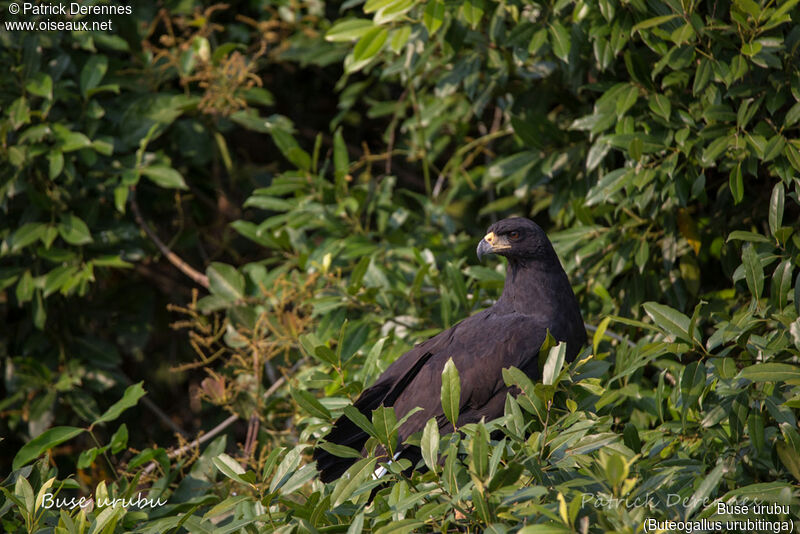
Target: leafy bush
(655, 141)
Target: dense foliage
(330, 167)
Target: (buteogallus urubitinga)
(537, 297)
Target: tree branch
(173, 258)
(223, 425)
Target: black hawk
(537, 297)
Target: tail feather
(347, 433)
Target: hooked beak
(491, 244)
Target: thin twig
(392, 127)
(153, 407)
(222, 426)
(173, 258)
(252, 435)
(612, 335)
(196, 443)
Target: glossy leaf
(451, 391)
(46, 440)
(129, 399)
(164, 176)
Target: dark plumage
(537, 296)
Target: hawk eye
(513, 235)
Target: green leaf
(776, 208)
(39, 312)
(68, 140)
(341, 160)
(339, 450)
(299, 479)
(672, 321)
(230, 468)
(751, 49)
(403, 526)
(655, 21)
(325, 353)
(598, 334)
(357, 276)
(616, 469)
(473, 11)
(309, 403)
(752, 237)
(371, 6)
(736, 184)
(755, 428)
(479, 461)
(57, 278)
(683, 34)
(797, 294)
(561, 41)
(164, 176)
(87, 457)
(27, 234)
(774, 147)
(384, 421)
(693, 381)
(348, 30)
(631, 437)
(749, 7)
(782, 9)
(770, 372)
(25, 287)
(55, 160)
(269, 203)
(74, 231)
(514, 377)
(259, 96)
(792, 116)
(609, 184)
(350, 481)
(660, 105)
(702, 76)
(753, 271)
(93, 72)
(370, 44)
(707, 486)
(451, 391)
(433, 16)
(290, 149)
(781, 283)
(789, 458)
(44, 441)
(120, 439)
(360, 420)
(357, 526)
(286, 468)
(19, 113)
(627, 99)
(554, 364)
(429, 444)
(545, 528)
(393, 11)
(129, 399)
(41, 84)
(225, 281)
(24, 491)
(714, 149)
